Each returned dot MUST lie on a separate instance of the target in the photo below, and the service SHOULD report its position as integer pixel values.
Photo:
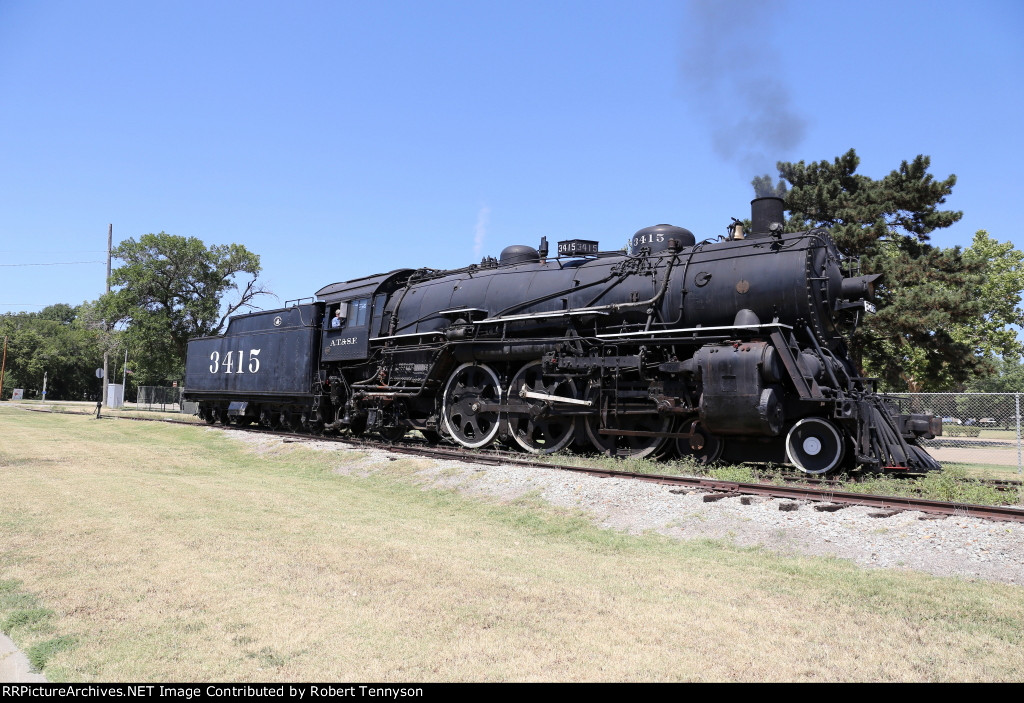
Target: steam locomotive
(721, 350)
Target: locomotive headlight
(859, 287)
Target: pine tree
(885, 224)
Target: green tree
(172, 288)
(1008, 378)
(885, 224)
(59, 341)
(61, 312)
(1000, 290)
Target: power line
(58, 263)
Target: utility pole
(106, 328)
(3, 367)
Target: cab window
(359, 312)
(336, 315)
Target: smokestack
(765, 212)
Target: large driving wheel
(470, 387)
(646, 443)
(538, 427)
(814, 445)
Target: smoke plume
(729, 81)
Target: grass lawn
(982, 470)
(89, 408)
(157, 552)
(999, 434)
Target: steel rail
(817, 495)
(491, 457)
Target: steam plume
(728, 80)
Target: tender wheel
(540, 428)
(814, 446)
(703, 447)
(312, 425)
(271, 419)
(276, 420)
(208, 414)
(471, 386)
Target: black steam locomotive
(727, 350)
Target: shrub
(960, 431)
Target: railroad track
(823, 497)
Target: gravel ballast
(964, 547)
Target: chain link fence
(159, 398)
(978, 429)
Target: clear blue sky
(340, 139)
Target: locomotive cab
(359, 308)
(346, 329)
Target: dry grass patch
(174, 553)
(74, 407)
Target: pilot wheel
(814, 446)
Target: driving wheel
(469, 389)
(538, 426)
